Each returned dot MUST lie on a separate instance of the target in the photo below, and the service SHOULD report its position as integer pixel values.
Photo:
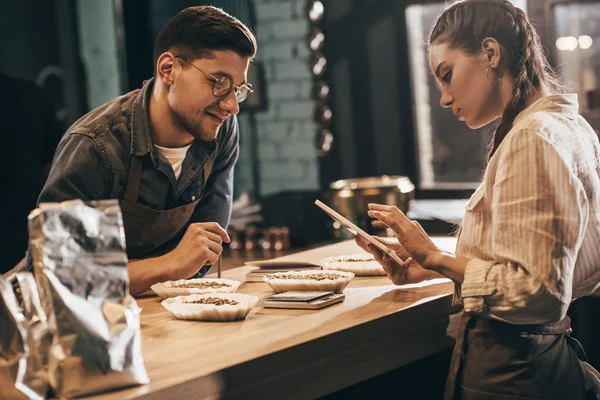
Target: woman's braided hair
(466, 23)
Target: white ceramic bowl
(359, 264)
(303, 281)
(181, 309)
(172, 288)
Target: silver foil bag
(80, 263)
(25, 336)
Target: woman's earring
(488, 78)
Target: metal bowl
(350, 197)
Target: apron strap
(577, 347)
(454, 373)
(208, 166)
(134, 179)
(562, 327)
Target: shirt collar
(565, 104)
(141, 135)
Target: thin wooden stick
(219, 267)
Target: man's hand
(201, 244)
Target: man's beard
(193, 125)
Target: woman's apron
(495, 360)
(147, 229)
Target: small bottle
(265, 241)
(278, 239)
(235, 244)
(251, 238)
(285, 233)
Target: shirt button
(193, 198)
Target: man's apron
(147, 229)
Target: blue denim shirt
(93, 158)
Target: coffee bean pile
(217, 301)
(354, 259)
(322, 276)
(198, 285)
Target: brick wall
(285, 132)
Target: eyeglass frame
(214, 79)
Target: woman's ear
(491, 50)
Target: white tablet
(357, 231)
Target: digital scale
(303, 300)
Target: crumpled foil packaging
(80, 264)
(25, 337)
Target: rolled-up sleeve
(537, 222)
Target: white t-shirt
(174, 156)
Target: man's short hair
(195, 32)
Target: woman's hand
(415, 242)
(410, 272)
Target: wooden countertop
(294, 354)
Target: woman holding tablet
(530, 239)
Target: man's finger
(212, 236)
(216, 228)
(215, 247)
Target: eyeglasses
(223, 85)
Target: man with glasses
(167, 151)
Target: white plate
(300, 283)
(170, 289)
(211, 312)
(359, 264)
